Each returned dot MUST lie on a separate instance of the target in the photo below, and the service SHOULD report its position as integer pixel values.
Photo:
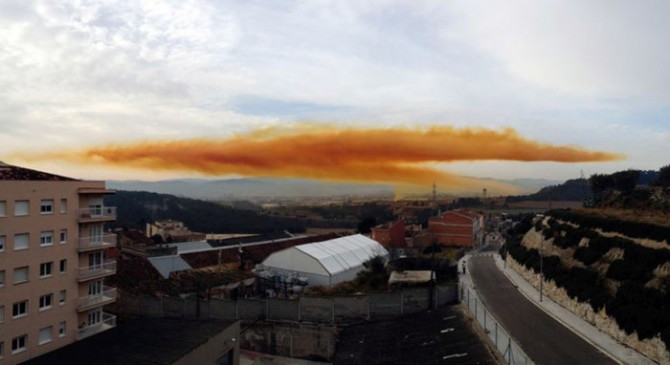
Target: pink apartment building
(52, 262)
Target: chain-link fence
(503, 341)
(337, 309)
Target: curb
(498, 262)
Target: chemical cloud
(384, 155)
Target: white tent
(328, 262)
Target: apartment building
(457, 228)
(52, 262)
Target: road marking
(454, 356)
(447, 330)
(448, 318)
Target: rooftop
(146, 341)
(441, 336)
(11, 172)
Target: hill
(571, 190)
(611, 271)
(234, 189)
(135, 209)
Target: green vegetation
(637, 306)
(571, 190)
(629, 228)
(135, 209)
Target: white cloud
(82, 72)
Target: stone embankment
(653, 348)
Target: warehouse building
(323, 263)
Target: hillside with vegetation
(571, 190)
(610, 264)
(135, 209)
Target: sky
(77, 76)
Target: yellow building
(52, 262)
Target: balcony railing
(104, 269)
(97, 242)
(107, 296)
(97, 213)
(108, 321)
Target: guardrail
(108, 321)
(97, 242)
(97, 213)
(106, 268)
(106, 297)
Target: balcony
(97, 214)
(96, 242)
(108, 321)
(106, 297)
(97, 271)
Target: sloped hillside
(135, 209)
(614, 273)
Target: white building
(325, 263)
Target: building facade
(390, 235)
(457, 228)
(53, 262)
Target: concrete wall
(291, 340)
(228, 341)
(337, 309)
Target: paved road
(544, 340)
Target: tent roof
(341, 254)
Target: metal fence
(338, 309)
(503, 341)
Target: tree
(663, 178)
(625, 181)
(600, 183)
(366, 224)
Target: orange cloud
(392, 155)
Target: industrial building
(323, 263)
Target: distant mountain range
(250, 188)
(232, 189)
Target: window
(63, 236)
(46, 268)
(2, 278)
(21, 241)
(62, 328)
(63, 206)
(3, 208)
(3, 242)
(47, 238)
(21, 275)
(2, 349)
(94, 316)
(19, 344)
(20, 309)
(95, 288)
(21, 207)
(2, 313)
(63, 266)
(45, 335)
(46, 301)
(47, 206)
(62, 297)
